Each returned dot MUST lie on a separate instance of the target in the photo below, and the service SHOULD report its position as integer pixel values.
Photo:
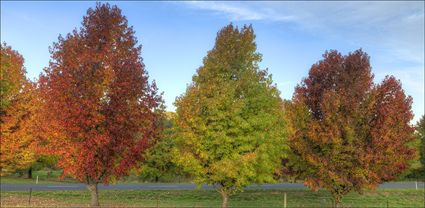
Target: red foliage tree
(346, 133)
(390, 130)
(100, 113)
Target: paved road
(163, 186)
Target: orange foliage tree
(100, 113)
(346, 133)
(17, 110)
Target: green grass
(15, 180)
(249, 198)
(55, 180)
(52, 177)
(44, 177)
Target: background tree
(159, 159)
(346, 133)
(100, 110)
(229, 124)
(420, 133)
(46, 163)
(17, 108)
(415, 170)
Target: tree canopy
(159, 163)
(230, 127)
(18, 106)
(420, 132)
(346, 133)
(101, 113)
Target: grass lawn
(203, 198)
(44, 177)
(52, 177)
(18, 180)
(55, 180)
(41, 180)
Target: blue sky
(291, 36)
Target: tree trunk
(225, 197)
(94, 194)
(338, 201)
(30, 173)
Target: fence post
(29, 199)
(36, 180)
(157, 201)
(284, 200)
(416, 183)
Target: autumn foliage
(100, 112)
(18, 106)
(95, 110)
(230, 126)
(347, 133)
(420, 133)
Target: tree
(347, 133)
(100, 111)
(420, 132)
(46, 162)
(229, 124)
(415, 167)
(159, 159)
(17, 109)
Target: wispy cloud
(412, 78)
(393, 26)
(235, 12)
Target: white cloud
(235, 12)
(410, 77)
(391, 26)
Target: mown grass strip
(208, 198)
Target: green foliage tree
(159, 160)
(46, 162)
(230, 126)
(415, 168)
